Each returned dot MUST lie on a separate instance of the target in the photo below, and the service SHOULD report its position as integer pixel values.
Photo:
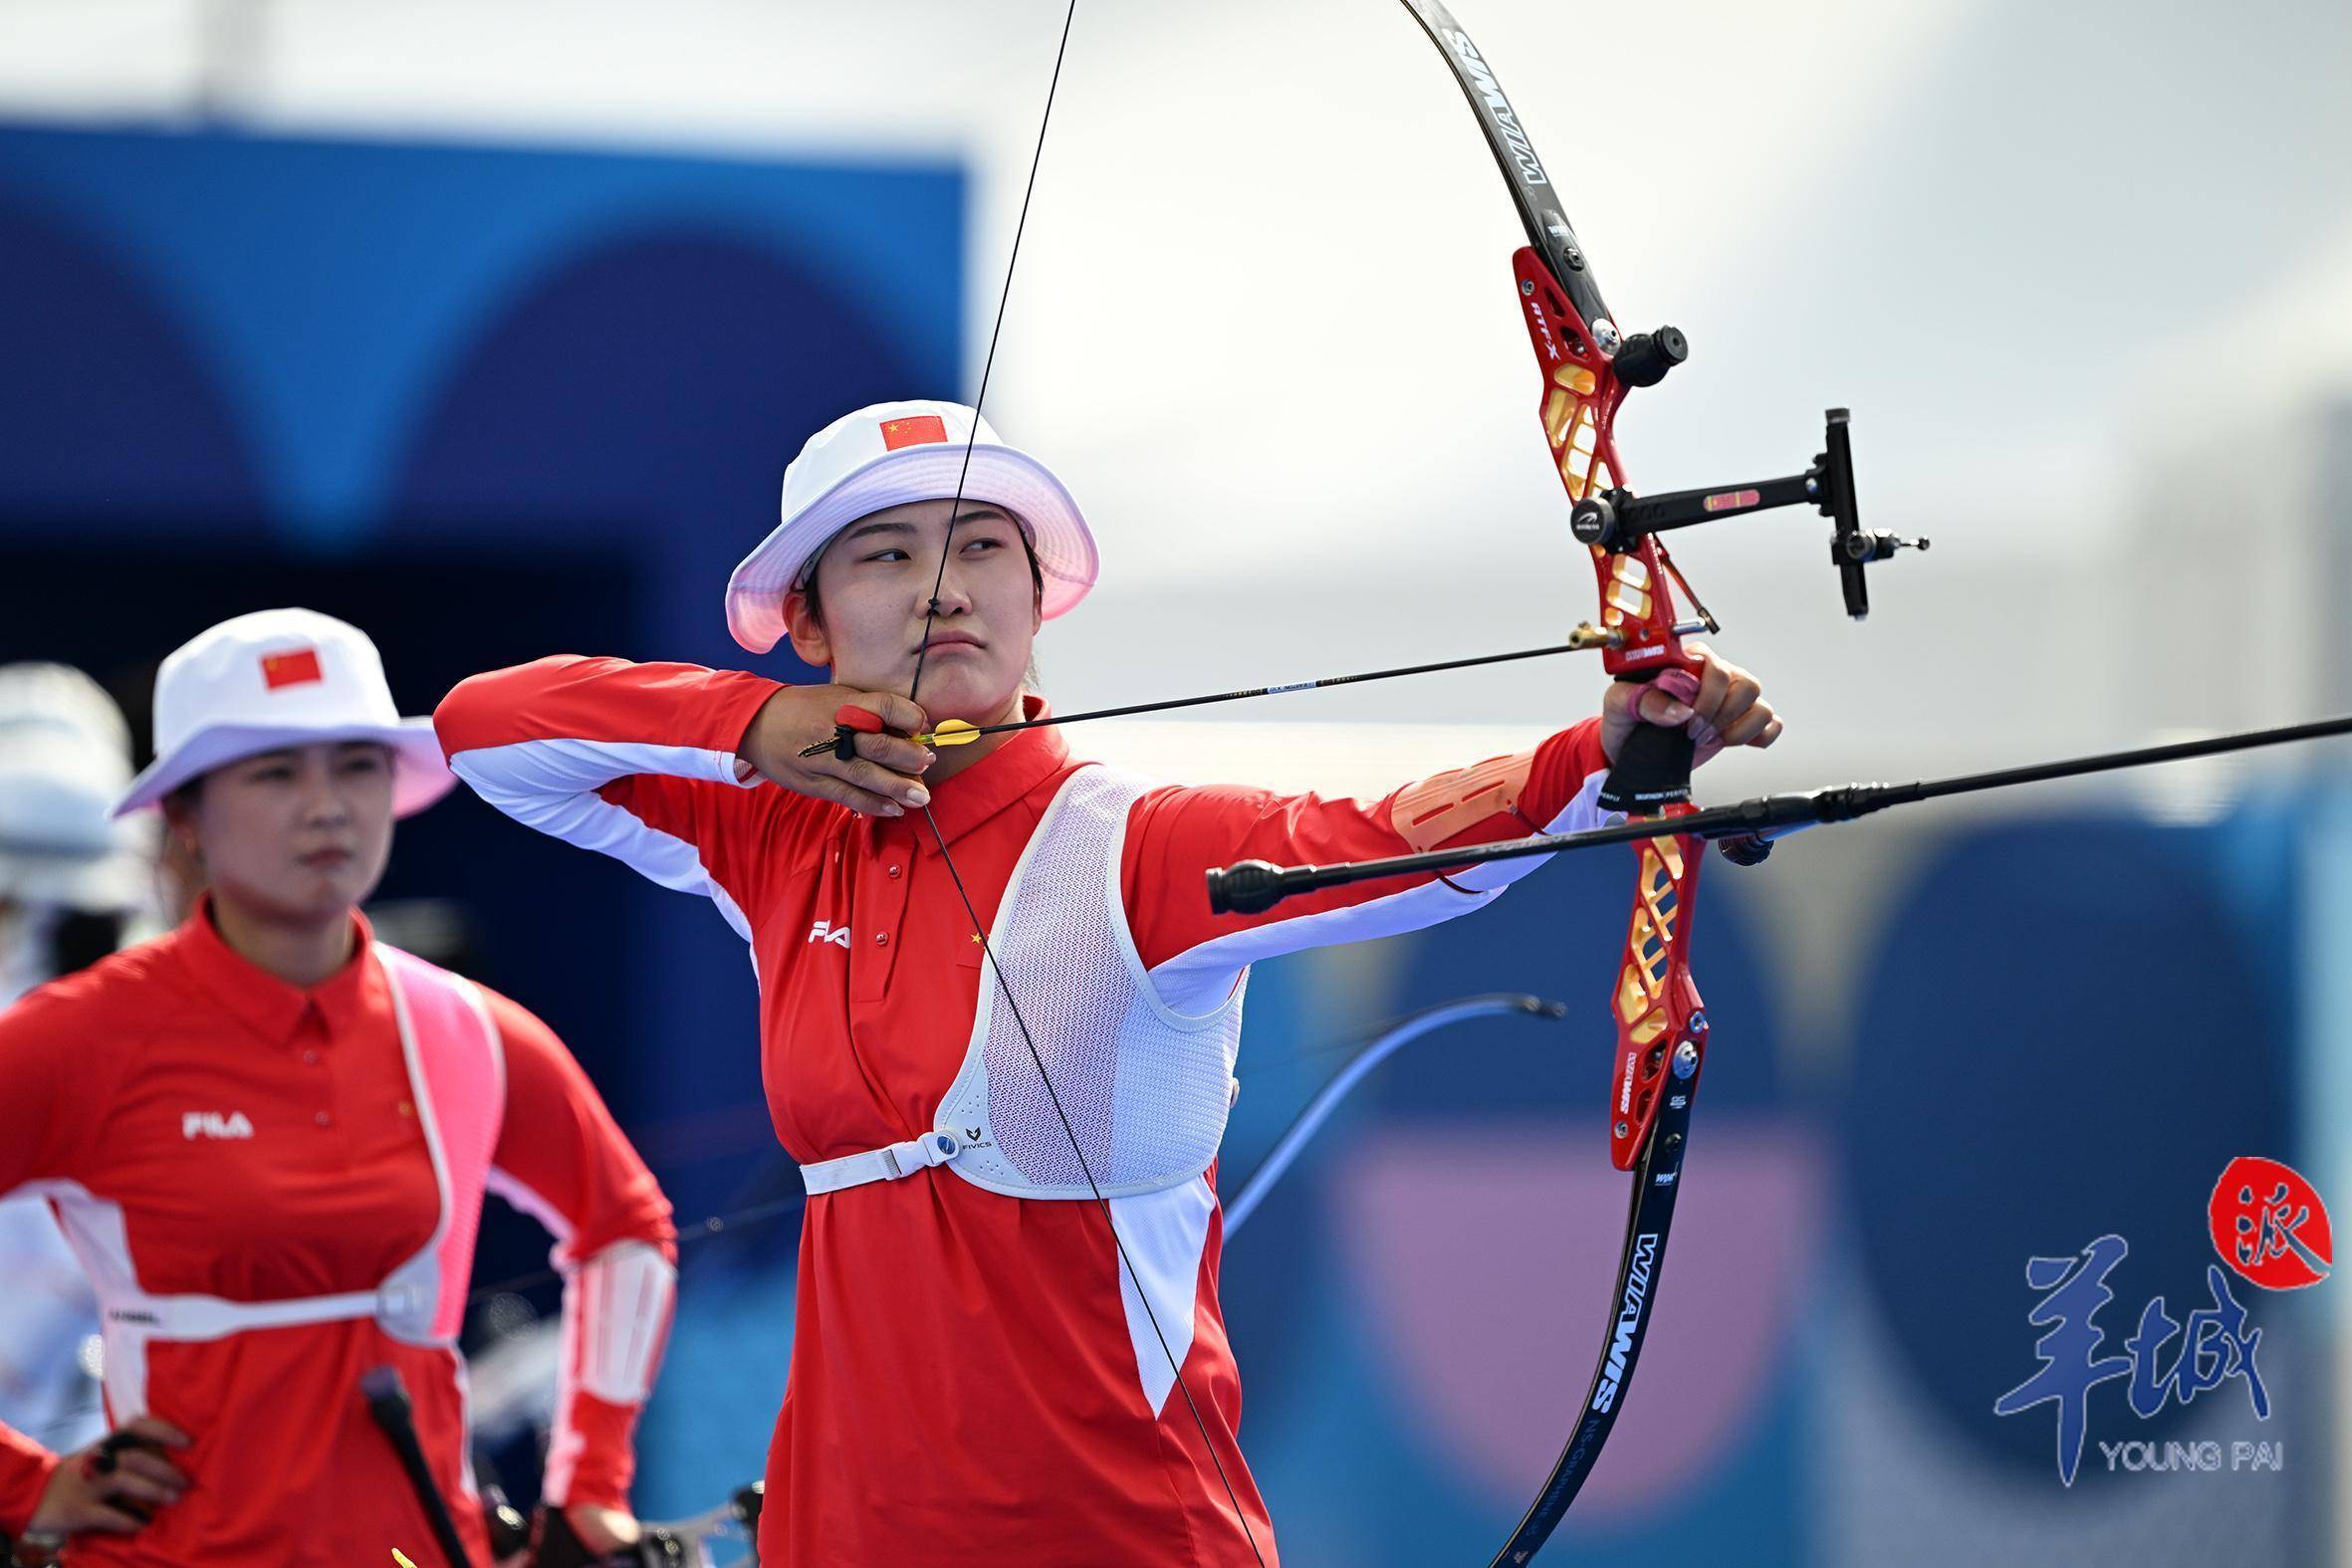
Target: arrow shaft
(1130, 710)
(1584, 641)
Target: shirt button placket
(878, 898)
(315, 1032)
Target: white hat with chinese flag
(274, 679)
(887, 454)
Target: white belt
(200, 1317)
(883, 1164)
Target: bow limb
(1587, 366)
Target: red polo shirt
(263, 1144)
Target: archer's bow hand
(835, 743)
(1721, 705)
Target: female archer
(267, 1137)
(995, 1009)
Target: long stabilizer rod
(1253, 885)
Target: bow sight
(1615, 520)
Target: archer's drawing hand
(884, 779)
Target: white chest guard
(456, 1065)
(1145, 1090)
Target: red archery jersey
(263, 1144)
(966, 1381)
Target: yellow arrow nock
(401, 1557)
(952, 732)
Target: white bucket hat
(887, 454)
(278, 678)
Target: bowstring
(947, 860)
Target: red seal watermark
(2268, 1224)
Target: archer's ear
(180, 821)
(807, 630)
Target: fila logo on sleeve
(212, 1124)
(826, 930)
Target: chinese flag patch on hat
(295, 667)
(914, 430)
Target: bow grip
(1652, 769)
